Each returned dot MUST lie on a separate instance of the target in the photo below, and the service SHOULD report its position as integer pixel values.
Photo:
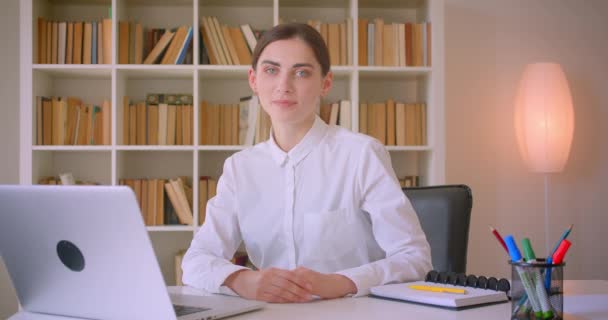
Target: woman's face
(288, 81)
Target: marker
(515, 258)
(559, 254)
(550, 257)
(499, 238)
(562, 238)
(438, 289)
(558, 257)
(541, 293)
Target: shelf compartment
(91, 166)
(143, 164)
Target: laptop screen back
(81, 251)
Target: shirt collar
(303, 148)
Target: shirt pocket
(331, 235)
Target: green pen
(541, 293)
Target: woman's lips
(283, 103)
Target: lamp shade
(544, 117)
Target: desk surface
(583, 300)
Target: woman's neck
(288, 135)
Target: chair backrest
(444, 213)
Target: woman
(318, 208)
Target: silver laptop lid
(81, 251)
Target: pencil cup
(537, 290)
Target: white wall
(488, 44)
(9, 125)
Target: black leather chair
(445, 214)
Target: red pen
(499, 238)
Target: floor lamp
(544, 122)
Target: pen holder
(537, 290)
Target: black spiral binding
(473, 281)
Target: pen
(438, 289)
(515, 258)
(499, 238)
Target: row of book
(67, 42)
(394, 123)
(226, 45)
(207, 189)
(337, 113)
(69, 121)
(160, 120)
(65, 179)
(245, 123)
(409, 181)
(154, 45)
(338, 38)
(163, 201)
(394, 44)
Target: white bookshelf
(214, 83)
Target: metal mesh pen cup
(537, 290)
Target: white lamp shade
(544, 117)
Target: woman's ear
(327, 83)
(252, 81)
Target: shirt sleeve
(206, 264)
(395, 225)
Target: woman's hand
(327, 286)
(270, 285)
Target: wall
(9, 125)
(488, 43)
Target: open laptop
(84, 252)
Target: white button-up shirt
(331, 204)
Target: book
(472, 297)
(159, 48)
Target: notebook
(476, 293)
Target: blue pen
(550, 259)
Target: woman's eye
(302, 73)
(270, 70)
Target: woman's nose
(285, 83)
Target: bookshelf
(107, 164)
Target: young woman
(318, 208)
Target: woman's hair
(301, 31)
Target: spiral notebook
(478, 291)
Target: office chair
(444, 213)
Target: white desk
(583, 300)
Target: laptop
(84, 252)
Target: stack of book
(394, 123)
(163, 201)
(409, 181)
(62, 42)
(68, 121)
(226, 45)
(163, 119)
(338, 38)
(394, 44)
(245, 123)
(65, 179)
(207, 188)
(137, 45)
(337, 113)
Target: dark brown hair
(295, 30)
